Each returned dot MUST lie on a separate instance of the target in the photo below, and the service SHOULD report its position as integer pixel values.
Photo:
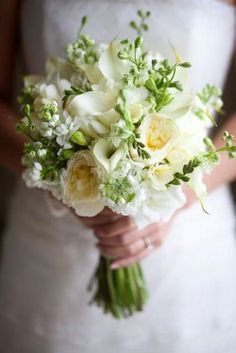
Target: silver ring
(147, 243)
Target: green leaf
(185, 64)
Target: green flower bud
(78, 138)
(209, 143)
(67, 154)
(26, 109)
(32, 154)
(138, 42)
(151, 85)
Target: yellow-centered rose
(81, 189)
(159, 136)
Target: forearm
(11, 143)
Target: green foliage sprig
(210, 96)
(83, 50)
(187, 169)
(135, 54)
(160, 80)
(133, 139)
(142, 26)
(73, 91)
(212, 156)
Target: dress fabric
(48, 261)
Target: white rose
(160, 175)
(159, 136)
(81, 188)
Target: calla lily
(109, 118)
(180, 106)
(107, 155)
(110, 65)
(91, 103)
(136, 95)
(91, 127)
(197, 184)
(92, 72)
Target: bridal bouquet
(113, 125)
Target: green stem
(120, 292)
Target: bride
(48, 260)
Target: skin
(117, 235)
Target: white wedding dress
(47, 261)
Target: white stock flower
(158, 206)
(81, 187)
(32, 176)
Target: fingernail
(114, 266)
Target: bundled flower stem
(121, 292)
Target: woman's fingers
(154, 240)
(93, 222)
(121, 251)
(124, 262)
(147, 238)
(121, 225)
(105, 217)
(129, 236)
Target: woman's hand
(118, 237)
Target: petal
(109, 63)
(136, 95)
(180, 105)
(89, 209)
(109, 118)
(107, 155)
(197, 184)
(92, 72)
(91, 103)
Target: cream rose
(81, 189)
(159, 136)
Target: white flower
(42, 152)
(107, 154)
(46, 131)
(110, 65)
(158, 206)
(159, 136)
(178, 107)
(81, 187)
(91, 104)
(32, 176)
(160, 175)
(119, 132)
